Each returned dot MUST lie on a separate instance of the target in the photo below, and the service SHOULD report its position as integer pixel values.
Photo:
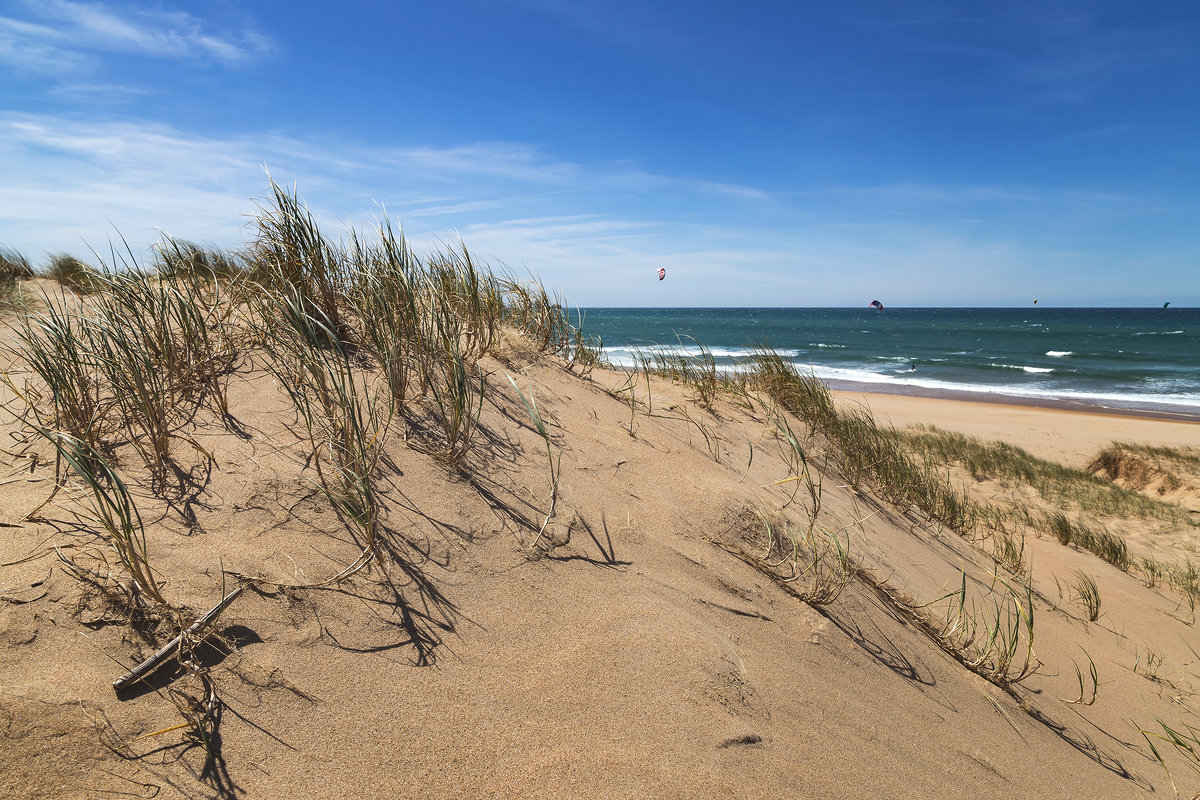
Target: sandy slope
(628, 655)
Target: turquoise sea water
(1133, 358)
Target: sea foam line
(623, 357)
(1120, 400)
(1031, 370)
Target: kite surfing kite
(1166, 304)
(662, 273)
(876, 304)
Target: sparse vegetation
(14, 268)
(553, 463)
(1087, 695)
(1105, 544)
(70, 272)
(14, 264)
(1086, 593)
(992, 636)
(692, 365)
(345, 420)
(113, 509)
(812, 563)
(1057, 483)
(1185, 743)
(861, 450)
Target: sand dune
(628, 654)
(574, 583)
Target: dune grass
(345, 419)
(1187, 456)
(290, 253)
(359, 335)
(1093, 538)
(15, 264)
(992, 636)
(129, 361)
(1087, 694)
(692, 366)
(14, 268)
(371, 341)
(553, 461)
(1083, 591)
(865, 453)
(1184, 741)
(1057, 483)
(53, 349)
(113, 509)
(810, 562)
(70, 272)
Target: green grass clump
(993, 637)
(178, 258)
(113, 509)
(553, 464)
(863, 451)
(14, 267)
(70, 272)
(344, 416)
(1008, 547)
(802, 395)
(291, 253)
(1057, 483)
(54, 345)
(131, 360)
(14, 264)
(697, 370)
(1086, 593)
(389, 301)
(1184, 740)
(1098, 540)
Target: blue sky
(765, 153)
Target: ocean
(1117, 358)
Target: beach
(610, 583)
(1070, 436)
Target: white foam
(1059, 353)
(905, 378)
(1031, 370)
(627, 355)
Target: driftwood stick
(169, 649)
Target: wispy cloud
(30, 48)
(108, 94)
(593, 230)
(60, 37)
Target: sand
(629, 653)
(1069, 437)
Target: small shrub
(14, 264)
(70, 272)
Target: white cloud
(32, 49)
(107, 94)
(62, 37)
(593, 231)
